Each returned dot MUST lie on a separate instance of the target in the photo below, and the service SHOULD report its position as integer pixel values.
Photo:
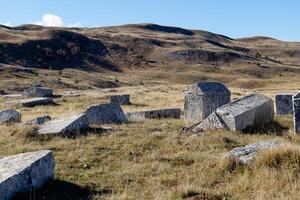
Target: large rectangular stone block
(202, 99)
(38, 91)
(23, 172)
(284, 104)
(66, 126)
(249, 111)
(109, 113)
(154, 114)
(296, 105)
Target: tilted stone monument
(284, 104)
(154, 114)
(38, 91)
(249, 111)
(23, 172)
(202, 99)
(109, 113)
(296, 105)
(246, 154)
(120, 99)
(65, 126)
(10, 116)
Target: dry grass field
(151, 159)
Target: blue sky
(234, 18)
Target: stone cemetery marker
(10, 116)
(296, 103)
(38, 91)
(23, 172)
(154, 114)
(202, 99)
(249, 111)
(284, 104)
(120, 99)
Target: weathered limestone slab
(10, 116)
(154, 114)
(284, 104)
(296, 105)
(12, 96)
(249, 111)
(31, 102)
(246, 154)
(39, 120)
(65, 126)
(120, 99)
(109, 113)
(38, 91)
(202, 99)
(23, 172)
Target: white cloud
(6, 23)
(50, 20)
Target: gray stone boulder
(202, 99)
(39, 120)
(109, 113)
(284, 104)
(154, 114)
(23, 172)
(250, 111)
(246, 154)
(120, 99)
(65, 126)
(296, 106)
(31, 102)
(10, 116)
(38, 91)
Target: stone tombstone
(247, 112)
(284, 104)
(9, 117)
(296, 105)
(202, 99)
(174, 113)
(120, 99)
(38, 91)
(24, 172)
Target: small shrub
(76, 81)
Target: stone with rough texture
(39, 120)
(154, 114)
(246, 154)
(109, 113)
(23, 172)
(284, 104)
(202, 99)
(31, 102)
(38, 91)
(296, 105)
(120, 99)
(10, 116)
(249, 111)
(65, 126)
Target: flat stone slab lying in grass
(109, 113)
(296, 105)
(9, 117)
(120, 99)
(12, 96)
(284, 104)
(65, 126)
(246, 154)
(23, 172)
(154, 114)
(250, 111)
(31, 102)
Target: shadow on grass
(62, 190)
(268, 128)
